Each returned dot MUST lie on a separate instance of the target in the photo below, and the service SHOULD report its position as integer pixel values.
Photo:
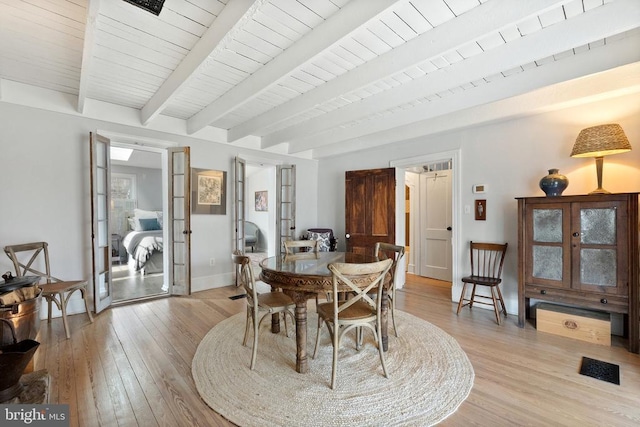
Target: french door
(285, 205)
(178, 220)
(99, 148)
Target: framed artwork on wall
(208, 192)
(481, 210)
(261, 201)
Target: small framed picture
(481, 210)
(262, 202)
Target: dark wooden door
(370, 214)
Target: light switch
(467, 209)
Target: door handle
(449, 228)
(347, 235)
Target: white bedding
(141, 245)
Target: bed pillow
(141, 213)
(133, 224)
(159, 215)
(148, 224)
(324, 240)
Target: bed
(145, 250)
(144, 243)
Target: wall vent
(153, 6)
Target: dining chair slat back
(360, 310)
(396, 253)
(300, 246)
(260, 305)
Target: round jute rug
(429, 377)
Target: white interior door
(436, 223)
(100, 229)
(179, 220)
(285, 205)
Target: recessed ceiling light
(118, 153)
(153, 6)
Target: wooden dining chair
(260, 305)
(396, 254)
(292, 247)
(360, 310)
(486, 270)
(54, 290)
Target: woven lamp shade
(598, 141)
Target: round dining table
(303, 276)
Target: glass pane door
(600, 264)
(180, 220)
(286, 205)
(100, 230)
(240, 205)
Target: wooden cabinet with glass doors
(581, 251)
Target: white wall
(45, 192)
(510, 158)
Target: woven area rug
(429, 377)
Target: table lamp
(600, 141)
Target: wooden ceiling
(314, 78)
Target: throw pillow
(324, 240)
(149, 224)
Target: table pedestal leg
(301, 335)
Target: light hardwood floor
(133, 365)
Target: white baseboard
(211, 282)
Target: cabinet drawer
(608, 303)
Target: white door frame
(456, 199)
(272, 164)
(160, 147)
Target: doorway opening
(136, 209)
(430, 195)
(260, 210)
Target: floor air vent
(153, 6)
(600, 370)
(238, 296)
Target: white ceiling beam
(472, 25)
(93, 9)
(605, 21)
(330, 32)
(231, 17)
(551, 87)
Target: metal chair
(383, 250)
(486, 270)
(54, 290)
(260, 306)
(360, 310)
